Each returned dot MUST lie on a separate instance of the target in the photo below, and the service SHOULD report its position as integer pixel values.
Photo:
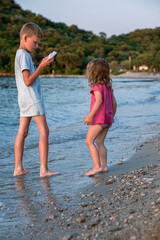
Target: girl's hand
(88, 120)
(89, 117)
(46, 62)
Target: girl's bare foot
(93, 171)
(48, 173)
(20, 172)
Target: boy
(30, 98)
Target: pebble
(68, 237)
(133, 238)
(113, 218)
(69, 220)
(148, 180)
(114, 229)
(117, 224)
(83, 195)
(108, 182)
(119, 163)
(95, 223)
(37, 193)
(142, 194)
(90, 194)
(83, 204)
(158, 200)
(156, 210)
(157, 191)
(80, 220)
(131, 211)
(98, 184)
(49, 218)
(125, 220)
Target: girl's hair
(98, 72)
(31, 29)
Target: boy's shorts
(32, 110)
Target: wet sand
(127, 208)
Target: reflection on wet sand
(99, 177)
(48, 195)
(34, 205)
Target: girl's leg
(19, 145)
(43, 145)
(102, 149)
(92, 134)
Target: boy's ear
(25, 36)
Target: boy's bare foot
(93, 171)
(104, 169)
(20, 172)
(48, 173)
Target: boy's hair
(98, 72)
(31, 29)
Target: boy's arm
(29, 79)
(89, 117)
(114, 105)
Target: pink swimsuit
(104, 115)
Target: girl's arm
(89, 117)
(114, 105)
(29, 79)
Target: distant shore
(129, 75)
(138, 75)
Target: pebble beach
(121, 204)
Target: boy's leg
(102, 149)
(92, 134)
(43, 145)
(19, 145)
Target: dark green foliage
(75, 47)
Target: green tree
(125, 64)
(114, 64)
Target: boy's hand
(88, 120)
(46, 62)
(29, 79)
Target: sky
(113, 17)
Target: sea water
(67, 101)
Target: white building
(143, 68)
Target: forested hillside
(75, 47)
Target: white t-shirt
(30, 99)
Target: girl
(102, 110)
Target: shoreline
(128, 208)
(130, 75)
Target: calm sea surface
(67, 101)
